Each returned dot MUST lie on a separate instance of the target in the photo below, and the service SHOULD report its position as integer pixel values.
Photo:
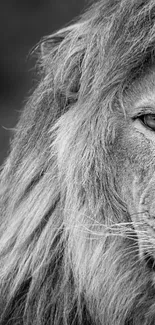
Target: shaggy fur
(69, 248)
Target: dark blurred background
(22, 24)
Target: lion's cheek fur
(136, 175)
(135, 166)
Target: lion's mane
(62, 261)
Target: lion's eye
(148, 120)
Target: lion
(77, 190)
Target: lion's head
(77, 193)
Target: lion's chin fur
(69, 252)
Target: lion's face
(135, 158)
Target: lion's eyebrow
(141, 108)
(134, 106)
(140, 101)
(146, 103)
(146, 96)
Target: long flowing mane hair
(64, 256)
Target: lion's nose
(150, 261)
